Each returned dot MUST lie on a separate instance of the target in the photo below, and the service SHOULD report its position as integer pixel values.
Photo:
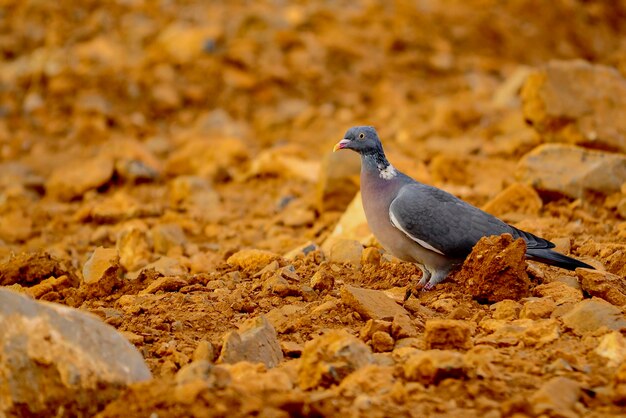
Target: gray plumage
(420, 223)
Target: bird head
(362, 139)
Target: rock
(338, 181)
(322, 280)
(448, 334)
(517, 198)
(116, 208)
(197, 156)
(44, 289)
(403, 327)
(506, 309)
(612, 347)
(372, 326)
(557, 397)
(346, 251)
(251, 259)
(72, 180)
(183, 44)
(368, 380)
(133, 249)
(291, 349)
(15, 227)
(602, 284)
(278, 162)
(166, 266)
(135, 171)
(371, 255)
(204, 351)
(284, 318)
(495, 270)
(190, 191)
(165, 284)
(432, 366)
(577, 102)
(371, 304)
(197, 376)
(532, 333)
(560, 292)
(255, 342)
(302, 250)
(28, 269)
(537, 308)
(328, 359)
(101, 272)
(382, 342)
(75, 364)
(167, 236)
(540, 332)
(591, 314)
(352, 225)
(548, 168)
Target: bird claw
(428, 286)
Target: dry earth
(166, 167)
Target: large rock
(556, 398)
(371, 304)
(56, 360)
(338, 180)
(352, 225)
(602, 284)
(328, 359)
(591, 314)
(549, 168)
(72, 180)
(255, 342)
(517, 198)
(579, 103)
(495, 270)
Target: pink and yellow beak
(341, 144)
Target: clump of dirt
(28, 269)
(496, 270)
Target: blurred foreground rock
(578, 103)
(56, 360)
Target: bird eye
(361, 135)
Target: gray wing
(445, 224)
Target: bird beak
(341, 144)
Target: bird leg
(423, 282)
(436, 278)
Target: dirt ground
(179, 133)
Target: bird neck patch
(387, 172)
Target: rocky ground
(167, 168)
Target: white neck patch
(388, 172)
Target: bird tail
(553, 258)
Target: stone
(291, 349)
(167, 236)
(538, 308)
(28, 269)
(557, 397)
(204, 351)
(116, 208)
(352, 225)
(371, 255)
(102, 271)
(591, 314)
(382, 342)
(533, 333)
(548, 168)
(165, 284)
(297, 217)
(322, 280)
(15, 227)
(602, 284)
(252, 260)
(403, 327)
(517, 198)
(346, 251)
(280, 162)
(256, 342)
(540, 332)
(577, 102)
(506, 309)
(133, 249)
(372, 326)
(368, 380)
(166, 266)
(371, 304)
(75, 363)
(495, 270)
(338, 181)
(183, 43)
(213, 376)
(73, 180)
(560, 292)
(328, 359)
(448, 334)
(432, 366)
(612, 347)
(302, 250)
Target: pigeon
(425, 225)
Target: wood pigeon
(425, 225)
